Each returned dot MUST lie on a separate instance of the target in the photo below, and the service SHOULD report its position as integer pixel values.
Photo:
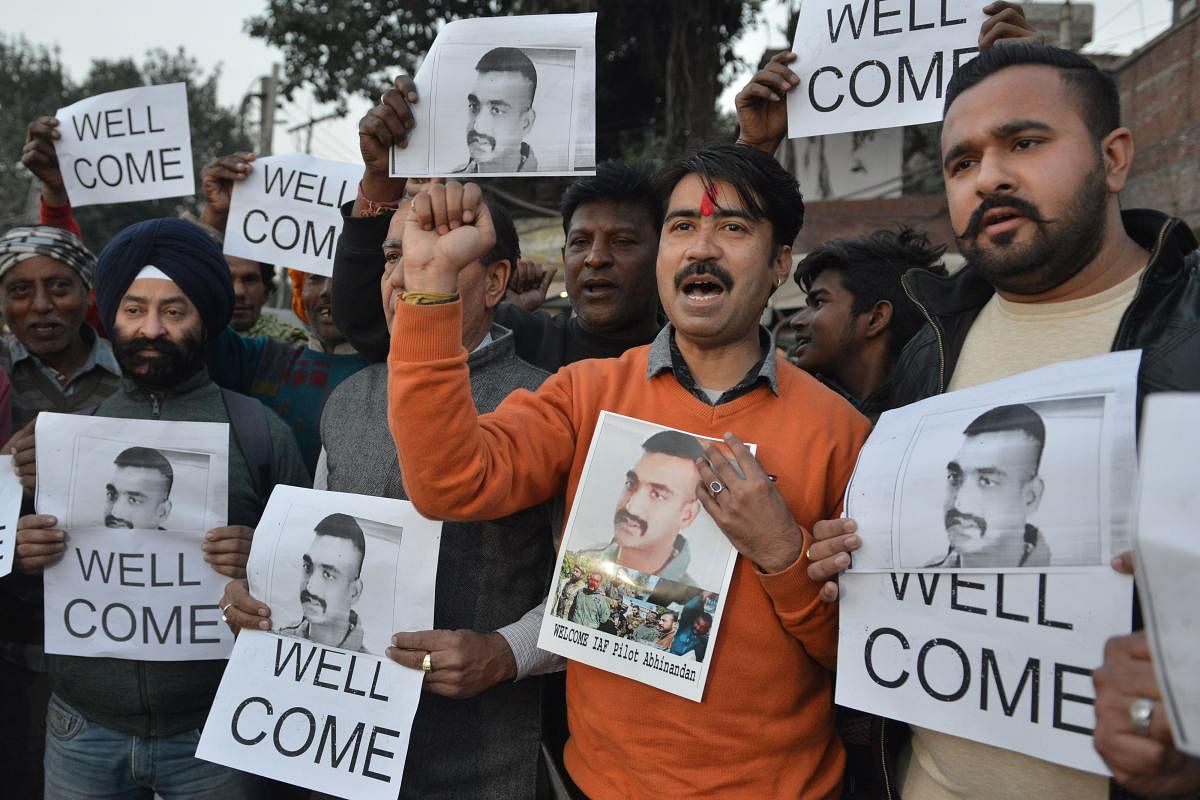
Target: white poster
(877, 63)
(136, 594)
(286, 211)
(505, 96)
(134, 498)
(315, 702)
(10, 512)
(1029, 473)
(133, 144)
(643, 570)
(1168, 557)
(1001, 659)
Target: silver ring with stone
(715, 487)
(1140, 712)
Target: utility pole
(308, 126)
(266, 133)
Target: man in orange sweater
(765, 727)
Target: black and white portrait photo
(333, 573)
(507, 97)
(1019, 487)
(637, 507)
(133, 474)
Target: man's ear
(356, 589)
(878, 319)
(690, 511)
(527, 119)
(781, 265)
(164, 510)
(1117, 151)
(1032, 493)
(495, 282)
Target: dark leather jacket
(1163, 320)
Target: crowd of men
(414, 380)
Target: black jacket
(1163, 320)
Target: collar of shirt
(100, 355)
(665, 356)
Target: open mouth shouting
(703, 283)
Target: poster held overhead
(128, 145)
(287, 211)
(643, 570)
(505, 97)
(1167, 558)
(315, 702)
(870, 64)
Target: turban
(26, 242)
(181, 251)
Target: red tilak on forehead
(708, 203)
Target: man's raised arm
(457, 465)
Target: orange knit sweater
(765, 728)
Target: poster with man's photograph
(315, 702)
(505, 97)
(643, 570)
(335, 575)
(1029, 473)
(134, 498)
(102, 472)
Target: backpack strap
(252, 432)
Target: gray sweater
(163, 698)
(489, 574)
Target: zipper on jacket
(936, 332)
(887, 779)
(155, 408)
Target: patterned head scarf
(29, 241)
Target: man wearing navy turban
(162, 289)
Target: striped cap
(29, 241)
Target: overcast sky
(212, 32)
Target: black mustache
(473, 137)
(955, 517)
(116, 522)
(704, 268)
(1022, 206)
(622, 516)
(307, 597)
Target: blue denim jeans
(86, 760)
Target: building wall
(1160, 103)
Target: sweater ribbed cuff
(426, 333)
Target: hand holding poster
(134, 498)
(1168, 558)
(643, 570)
(134, 144)
(505, 96)
(869, 64)
(10, 512)
(287, 211)
(315, 702)
(960, 486)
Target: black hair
(1016, 417)
(674, 443)
(146, 458)
(1095, 91)
(344, 526)
(617, 182)
(508, 245)
(766, 190)
(267, 271)
(509, 59)
(870, 268)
